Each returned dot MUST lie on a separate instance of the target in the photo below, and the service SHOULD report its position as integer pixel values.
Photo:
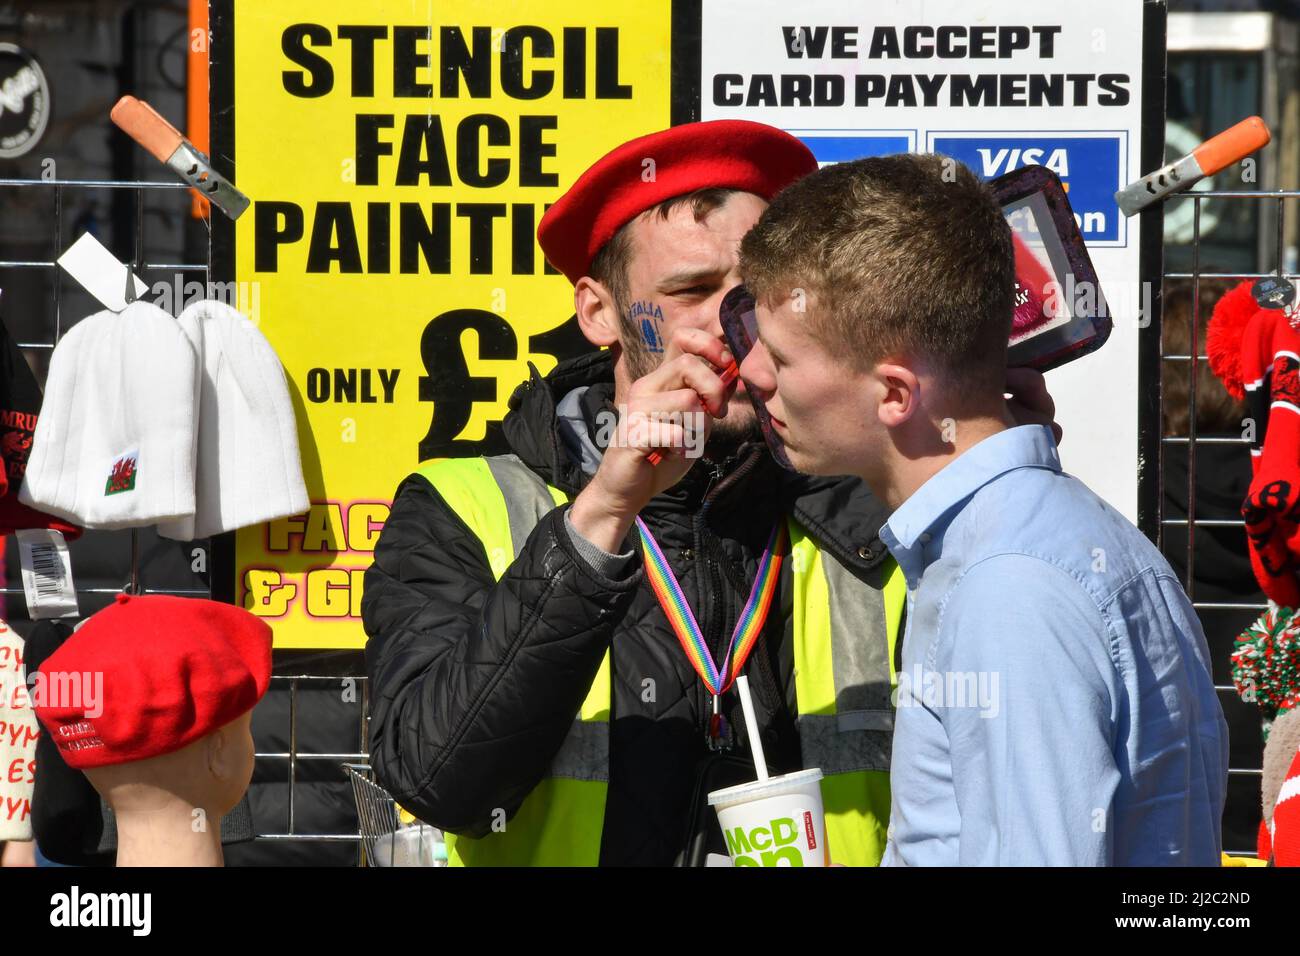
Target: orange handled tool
(1217, 152)
(728, 376)
(143, 124)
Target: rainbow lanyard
(682, 618)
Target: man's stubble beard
(639, 359)
(729, 433)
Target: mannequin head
(167, 744)
(169, 808)
(210, 774)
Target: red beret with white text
(150, 674)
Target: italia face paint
(646, 317)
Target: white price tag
(47, 573)
(98, 272)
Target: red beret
(171, 670)
(732, 154)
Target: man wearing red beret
(554, 633)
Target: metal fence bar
(179, 592)
(311, 837)
(58, 274)
(1195, 349)
(342, 757)
(293, 750)
(95, 183)
(1228, 275)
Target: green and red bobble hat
(640, 174)
(173, 670)
(1266, 663)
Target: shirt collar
(920, 516)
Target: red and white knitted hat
(115, 441)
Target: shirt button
(864, 553)
(925, 537)
(687, 554)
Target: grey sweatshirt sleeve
(610, 565)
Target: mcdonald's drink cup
(774, 822)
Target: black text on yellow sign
(418, 150)
(400, 158)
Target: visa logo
(995, 162)
(1087, 165)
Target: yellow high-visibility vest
(844, 636)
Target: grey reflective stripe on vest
(527, 499)
(584, 754)
(824, 743)
(859, 734)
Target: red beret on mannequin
(729, 154)
(172, 670)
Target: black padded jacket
(475, 682)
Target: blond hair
(907, 255)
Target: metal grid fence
(1193, 357)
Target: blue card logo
(841, 149)
(1088, 167)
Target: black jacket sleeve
(474, 683)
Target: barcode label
(47, 573)
(47, 569)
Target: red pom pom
(1226, 330)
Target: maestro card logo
(1089, 167)
(24, 102)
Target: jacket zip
(713, 637)
(704, 567)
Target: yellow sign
(399, 157)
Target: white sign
(997, 86)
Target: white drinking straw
(751, 727)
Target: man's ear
(220, 753)
(900, 392)
(597, 314)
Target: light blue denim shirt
(1055, 704)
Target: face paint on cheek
(646, 317)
